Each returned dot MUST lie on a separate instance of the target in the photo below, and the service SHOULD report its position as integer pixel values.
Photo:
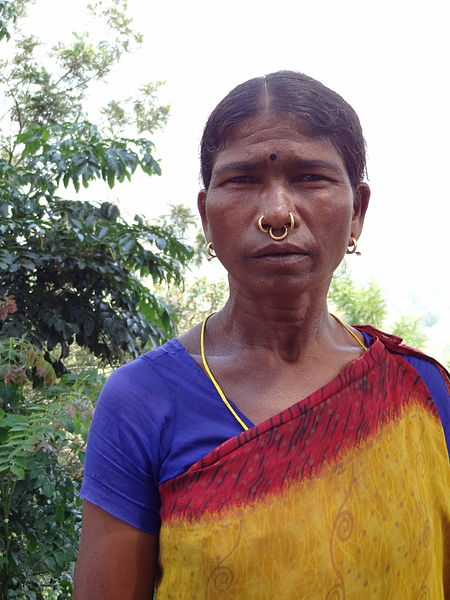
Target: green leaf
(126, 247)
(60, 558)
(28, 264)
(6, 257)
(111, 179)
(18, 471)
(66, 178)
(103, 231)
(48, 489)
(31, 147)
(15, 422)
(4, 210)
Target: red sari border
(372, 391)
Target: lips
(279, 250)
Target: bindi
(273, 156)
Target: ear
(360, 205)
(201, 204)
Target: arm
(116, 561)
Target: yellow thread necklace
(217, 386)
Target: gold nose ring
(277, 238)
(261, 227)
(269, 229)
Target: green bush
(43, 427)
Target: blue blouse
(158, 415)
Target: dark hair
(325, 113)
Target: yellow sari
(344, 495)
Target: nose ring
(269, 229)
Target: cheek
(231, 211)
(222, 224)
(327, 213)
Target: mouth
(280, 252)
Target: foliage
(197, 297)
(73, 266)
(358, 305)
(366, 305)
(42, 434)
(8, 15)
(183, 224)
(48, 87)
(140, 113)
(409, 328)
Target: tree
(366, 305)
(42, 433)
(72, 266)
(52, 88)
(196, 297)
(358, 305)
(75, 267)
(9, 13)
(409, 328)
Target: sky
(388, 59)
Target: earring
(210, 254)
(352, 249)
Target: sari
(345, 494)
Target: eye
(310, 177)
(241, 179)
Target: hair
(324, 112)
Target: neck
(290, 328)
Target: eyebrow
(298, 163)
(305, 164)
(244, 166)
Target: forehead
(266, 134)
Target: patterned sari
(345, 494)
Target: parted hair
(324, 113)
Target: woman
(273, 451)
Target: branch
(63, 77)
(19, 114)
(5, 113)
(84, 82)
(41, 560)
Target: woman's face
(270, 166)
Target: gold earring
(210, 254)
(352, 249)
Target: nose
(279, 213)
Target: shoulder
(150, 372)
(190, 340)
(426, 363)
(428, 367)
(434, 375)
(143, 391)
